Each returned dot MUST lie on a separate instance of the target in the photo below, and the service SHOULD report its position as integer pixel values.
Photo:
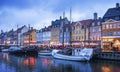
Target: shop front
(111, 44)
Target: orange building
(30, 37)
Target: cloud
(34, 17)
(40, 13)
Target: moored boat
(15, 50)
(45, 52)
(30, 51)
(84, 54)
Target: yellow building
(55, 36)
(30, 37)
(77, 35)
(80, 32)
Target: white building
(39, 36)
(20, 31)
(47, 35)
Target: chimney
(95, 16)
(60, 17)
(117, 5)
(99, 18)
(31, 28)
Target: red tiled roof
(88, 21)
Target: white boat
(82, 55)
(5, 50)
(45, 52)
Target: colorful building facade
(30, 37)
(39, 37)
(46, 35)
(95, 31)
(111, 29)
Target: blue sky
(40, 13)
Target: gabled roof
(19, 29)
(73, 23)
(47, 29)
(88, 21)
(110, 20)
(27, 33)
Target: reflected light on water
(12, 63)
(6, 57)
(30, 62)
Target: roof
(88, 21)
(112, 12)
(58, 21)
(27, 33)
(19, 29)
(47, 29)
(73, 23)
(96, 22)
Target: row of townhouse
(22, 36)
(104, 32)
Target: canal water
(12, 63)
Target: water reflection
(11, 63)
(105, 66)
(70, 66)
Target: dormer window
(98, 23)
(93, 24)
(105, 19)
(116, 18)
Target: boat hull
(82, 57)
(72, 58)
(45, 54)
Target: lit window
(107, 26)
(110, 26)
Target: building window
(103, 26)
(105, 19)
(98, 23)
(93, 24)
(114, 25)
(110, 33)
(93, 30)
(99, 29)
(114, 33)
(116, 18)
(110, 26)
(106, 34)
(118, 33)
(118, 25)
(107, 26)
(66, 29)
(73, 28)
